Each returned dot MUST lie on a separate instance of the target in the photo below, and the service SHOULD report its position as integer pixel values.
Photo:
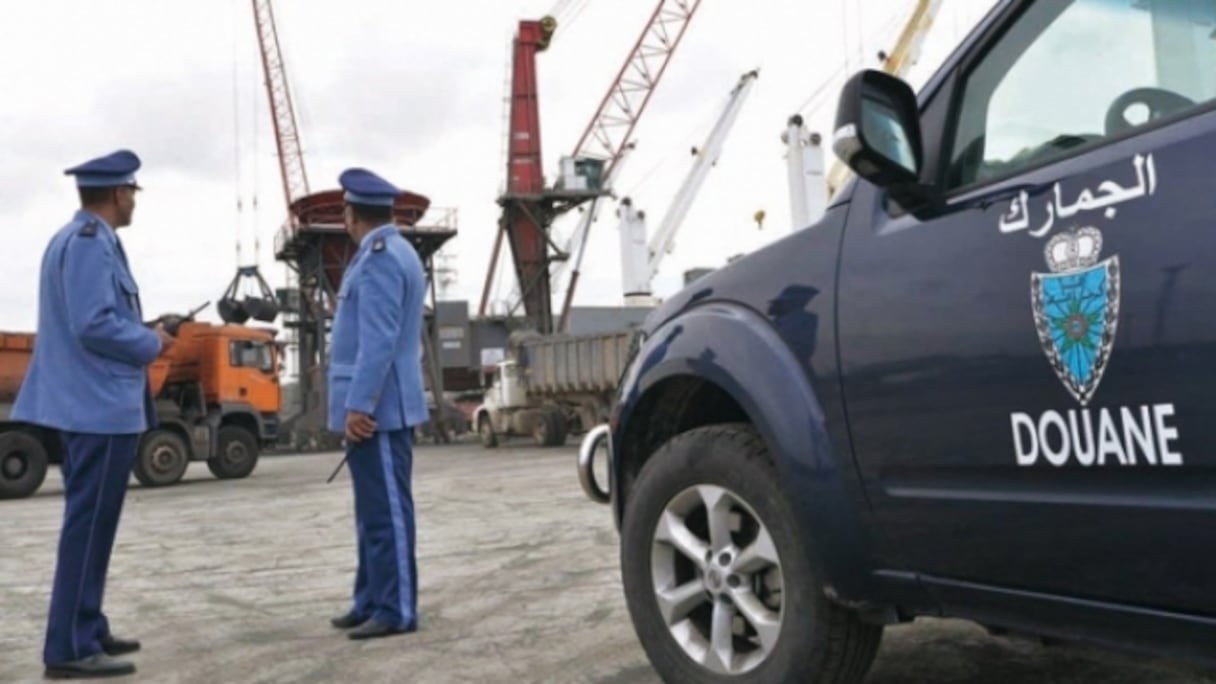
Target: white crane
(808, 186)
(640, 261)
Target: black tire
(236, 453)
(559, 430)
(485, 430)
(817, 642)
(162, 458)
(542, 429)
(550, 428)
(23, 464)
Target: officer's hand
(166, 340)
(359, 426)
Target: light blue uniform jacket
(376, 348)
(89, 368)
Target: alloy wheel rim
(717, 580)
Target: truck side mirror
(878, 134)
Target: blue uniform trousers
(95, 472)
(386, 582)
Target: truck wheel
(162, 459)
(485, 430)
(549, 430)
(236, 454)
(542, 428)
(23, 464)
(558, 429)
(716, 579)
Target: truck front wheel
(23, 464)
(236, 454)
(485, 430)
(162, 459)
(716, 578)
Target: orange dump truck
(217, 400)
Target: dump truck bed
(574, 364)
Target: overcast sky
(413, 90)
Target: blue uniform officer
(87, 381)
(376, 398)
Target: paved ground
(234, 582)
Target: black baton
(340, 463)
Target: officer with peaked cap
(87, 380)
(376, 398)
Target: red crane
(283, 113)
(529, 208)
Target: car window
(1071, 74)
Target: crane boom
(707, 156)
(611, 129)
(912, 39)
(640, 262)
(286, 133)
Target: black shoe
(347, 621)
(112, 645)
(96, 665)
(374, 630)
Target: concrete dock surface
(235, 581)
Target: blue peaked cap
(364, 187)
(116, 168)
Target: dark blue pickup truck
(983, 386)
